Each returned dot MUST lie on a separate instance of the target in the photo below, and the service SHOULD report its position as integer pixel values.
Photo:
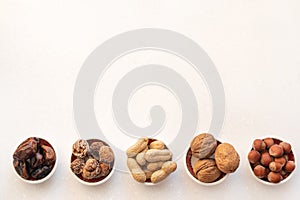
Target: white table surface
(254, 44)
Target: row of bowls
(188, 162)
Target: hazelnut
(281, 160)
(269, 142)
(260, 171)
(286, 147)
(259, 145)
(275, 166)
(274, 177)
(276, 150)
(289, 166)
(253, 156)
(266, 158)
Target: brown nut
(206, 170)
(282, 160)
(80, 148)
(253, 156)
(260, 171)
(265, 158)
(106, 154)
(77, 165)
(91, 169)
(275, 166)
(286, 147)
(276, 150)
(274, 177)
(136, 171)
(139, 146)
(289, 166)
(203, 145)
(227, 159)
(157, 145)
(259, 145)
(167, 168)
(269, 142)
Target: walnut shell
(203, 145)
(227, 159)
(206, 170)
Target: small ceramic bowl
(31, 180)
(98, 180)
(291, 156)
(148, 180)
(189, 162)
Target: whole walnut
(207, 170)
(91, 169)
(227, 159)
(106, 154)
(77, 165)
(94, 149)
(203, 145)
(80, 148)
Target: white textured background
(254, 44)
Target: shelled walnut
(149, 161)
(92, 160)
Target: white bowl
(98, 182)
(193, 160)
(267, 182)
(46, 177)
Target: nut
(276, 150)
(286, 147)
(269, 142)
(156, 155)
(253, 156)
(203, 145)
(139, 146)
(157, 145)
(281, 160)
(80, 148)
(274, 177)
(136, 171)
(77, 165)
(206, 170)
(275, 166)
(265, 158)
(289, 166)
(260, 171)
(227, 159)
(140, 159)
(259, 145)
(106, 154)
(154, 166)
(91, 169)
(166, 169)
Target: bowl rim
(53, 169)
(263, 181)
(195, 179)
(98, 182)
